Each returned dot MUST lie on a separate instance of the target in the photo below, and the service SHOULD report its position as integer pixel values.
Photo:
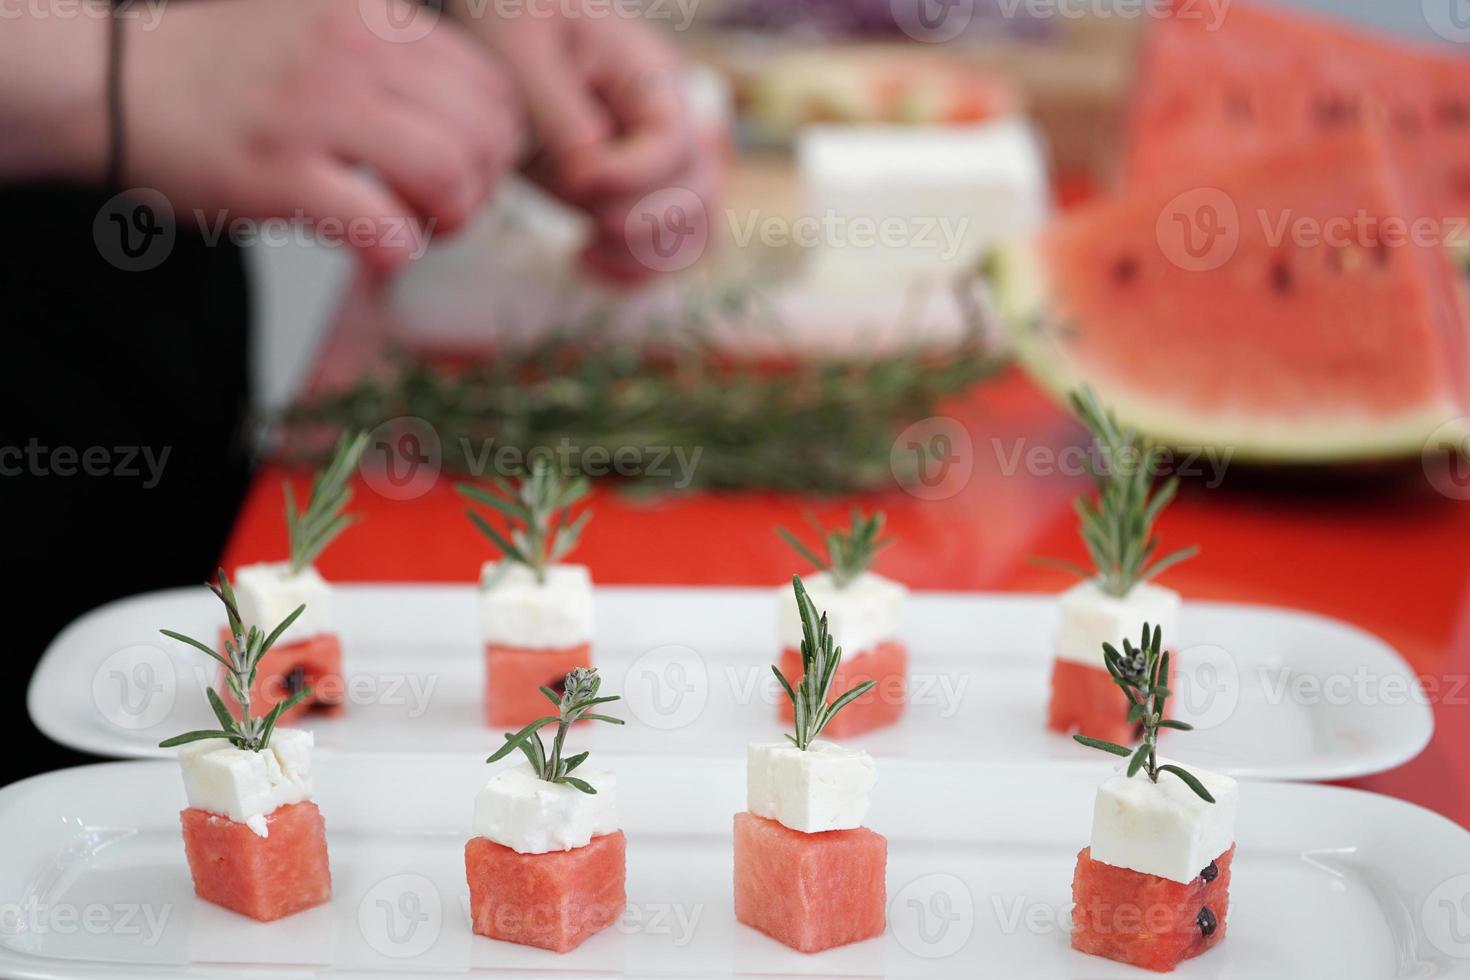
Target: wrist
(53, 92)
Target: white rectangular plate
(1326, 883)
(1275, 693)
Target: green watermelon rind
(1021, 294)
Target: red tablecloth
(1383, 550)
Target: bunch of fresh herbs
(578, 697)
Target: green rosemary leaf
(849, 553)
(285, 624)
(188, 737)
(607, 718)
(806, 553)
(785, 684)
(312, 527)
(1140, 756)
(507, 505)
(551, 696)
(203, 647)
(570, 764)
(220, 711)
(845, 700)
(579, 784)
(1190, 781)
(512, 740)
(540, 532)
(1178, 726)
(820, 658)
(1097, 743)
(508, 550)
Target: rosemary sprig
(579, 695)
(1142, 672)
(241, 659)
(703, 417)
(313, 528)
(849, 554)
(1118, 526)
(536, 508)
(819, 660)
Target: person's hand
(605, 99)
(286, 108)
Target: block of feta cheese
(897, 201)
(521, 811)
(518, 611)
(1163, 828)
(247, 786)
(266, 593)
(825, 787)
(1090, 617)
(866, 612)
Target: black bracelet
(116, 135)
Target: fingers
(566, 116)
(382, 227)
(655, 134)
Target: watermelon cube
(265, 878)
(553, 900)
(514, 676)
(886, 664)
(809, 891)
(1145, 920)
(1085, 701)
(287, 668)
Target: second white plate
(1274, 693)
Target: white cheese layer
(1090, 617)
(248, 786)
(527, 814)
(1163, 828)
(826, 787)
(866, 612)
(518, 611)
(266, 593)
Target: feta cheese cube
(525, 813)
(866, 612)
(266, 593)
(1090, 617)
(826, 787)
(518, 611)
(1163, 828)
(248, 786)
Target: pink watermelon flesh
(553, 900)
(1261, 77)
(265, 878)
(809, 891)
(1288, 348)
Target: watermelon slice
(1261, 77)
(514, 677)
(265, 878)
(1351, 346)
(886, 664)
(1145, 920)
(1085, 701)
(809, 891)
(315, 662)
(553, 900)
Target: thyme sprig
(819, 659)
(542, 531)
(1117, 527)
(849, 554)
(244, 651)
(1142, 672)
(314, 527)
(578, 697)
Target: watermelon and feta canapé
(807, 873)
(1153, 887)
(547, 865)
(863, 608)
(535, 613)
(255, 841)
(1115, 598)
(309, 653)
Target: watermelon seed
(1125, 270)
(1240, 106)
(1454, 113)
(1207, 922)
(295, 681)
(1210, 873)
(1281, 277)
(1336, 112)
